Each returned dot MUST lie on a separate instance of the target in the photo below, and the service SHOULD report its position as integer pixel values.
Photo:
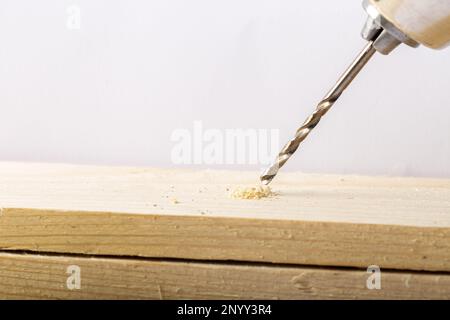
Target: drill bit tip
(266, 179)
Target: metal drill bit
(322, 108)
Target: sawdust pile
(252, 193)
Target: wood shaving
(253, 193)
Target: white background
(114, 91)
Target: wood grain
(44, 277)
(396, 223)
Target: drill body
(413, 22)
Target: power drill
(389, 23)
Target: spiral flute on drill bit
(292, 146)
(330, 98)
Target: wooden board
(398, 223)
(45, 277)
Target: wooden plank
(45, 277)
(399, 223)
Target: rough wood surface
(45, 277)
(400, 223)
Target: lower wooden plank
(24, 276)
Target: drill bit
(321, 109)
